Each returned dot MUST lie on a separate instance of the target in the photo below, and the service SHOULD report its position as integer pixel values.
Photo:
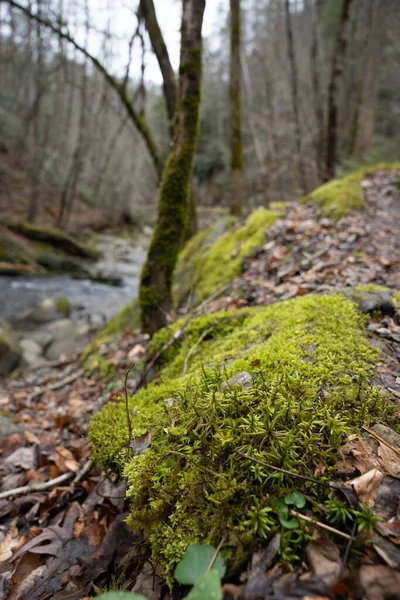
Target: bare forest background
(66, 129)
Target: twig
(193, 348)
(273, 468)
(214, 558)
(383, 441)
(55, 386)
(348, 546)
(178, 334)
(82, 472)
(37, 487)
(128, 416)
(294, 513)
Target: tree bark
(371, 76)
(316, 83)
(295, 99)
(173, 207)
(338, 63)
(148, 11)
(236, 204)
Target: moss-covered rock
(10, 351)
(212, 258)
(58, 239)
(340, 197)
(311, 369)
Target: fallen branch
(176, 336)
(37, 487)
(214, 558)
(193, 348)
(55, 386)
(294, 513)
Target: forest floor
(65, 531)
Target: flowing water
(90, 301)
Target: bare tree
(295, 98)
(236, 203)
(365, 121)
(173, 207)
(338, 63)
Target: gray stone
(10, 350)
(244, 379)
(43, 337)
(61, 347)
(50, 309)
(30, 346)
(7, 427)
(374, 301)
(64, 329)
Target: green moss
(203, 267)
(371, 287)
(396, 299)
(340, 197)
(127, 318)
(311, 367)
(58, 239)
(64, 306)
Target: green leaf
(208, 587)
(195, 563)
(296, 499)
(120, 596)
(289, 524)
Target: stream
(91, 302)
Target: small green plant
(339, 512)
(199, 567)
(366, 519)
(282, 507)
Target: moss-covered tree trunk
(236, 191)
(173, 207)
(338, 60)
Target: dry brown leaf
(65, 461)
(366, 486)
(324, 559)
(379, 582)
(9, 542)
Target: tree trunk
(316, 83)
(148, 12)
(371, 76)
(338, 60)
(295, 99)
(173, 208)
(235, 103)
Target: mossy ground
(312, 369)
(210, 261)
(340, 197)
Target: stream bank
(90, 304)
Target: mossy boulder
(308, 369)
(10, 351)
(57, 238)
(212, 258)
(340, 197)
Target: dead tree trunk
(316, 84)
(366, 111)
(295, 99)
(173, 207)
(236, 191)
(338, 61)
